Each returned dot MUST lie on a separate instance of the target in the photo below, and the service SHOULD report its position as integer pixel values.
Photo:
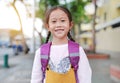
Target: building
(4, 37)
(7, 36)
(108, 27)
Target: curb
(98, 56)
(115, 72)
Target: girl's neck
(59, 41)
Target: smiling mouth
(59, 30)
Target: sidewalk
(101, 69)
(21, 67)
(19, 70)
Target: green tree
(43, 5)
(78, 13)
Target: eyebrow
(59, 18)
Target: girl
(60, 61)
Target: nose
(58, 24)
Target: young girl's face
(59, 24)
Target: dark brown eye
(53, 21)
(62, 20)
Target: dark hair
(47, 14)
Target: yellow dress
(54, 77)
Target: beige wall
(112, 9)
(108, 40)
(88, 43)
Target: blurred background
(22, 31)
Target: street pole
(93, 30)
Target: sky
(9, 19)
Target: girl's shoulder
(38, 50)
(81, 48)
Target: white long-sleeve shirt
(57, 53)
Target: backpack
(73, 49)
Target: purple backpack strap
(73, 53)
(74, 56)
(45, 50)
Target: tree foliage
(43, 5)
(76, 7)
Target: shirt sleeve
(84, 70)
(36, 76)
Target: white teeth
(59, 30)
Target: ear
(71, 24)
(46, 26)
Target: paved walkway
(19, 70)
(21, 66)
(101, 71)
